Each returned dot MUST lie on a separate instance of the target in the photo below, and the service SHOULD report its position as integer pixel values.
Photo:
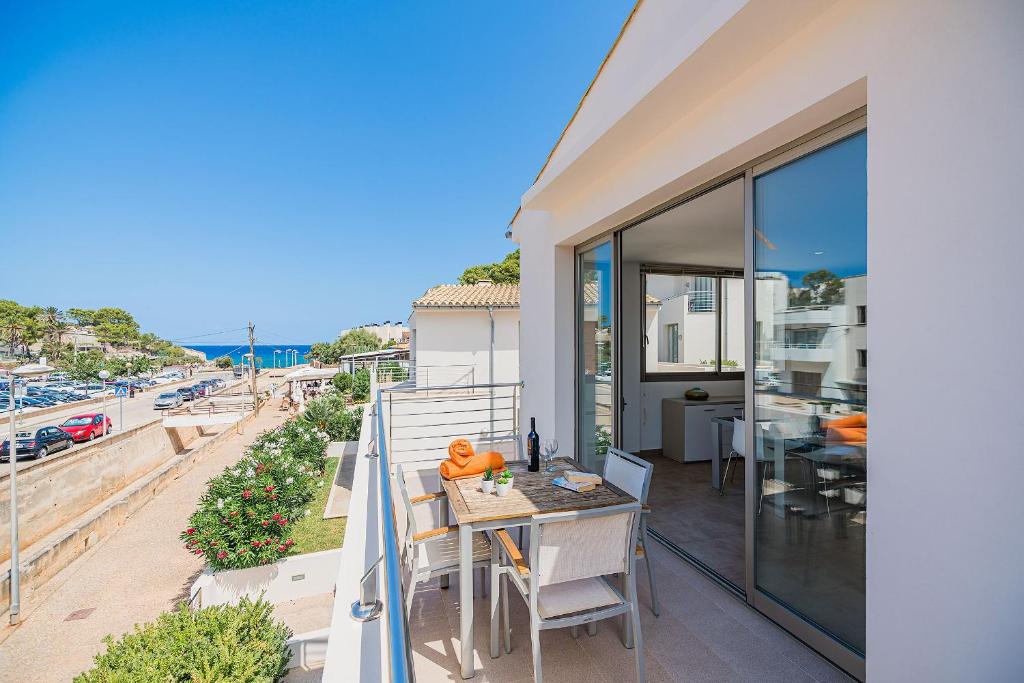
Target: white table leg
(466, 598)
(443, 519)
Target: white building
(758, 143)
(396, 332)
(465, 334)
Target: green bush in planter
(343, 383)
(329, 414)
(244, 518)
(361, 386)
(229, 644)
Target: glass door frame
(807, 631)
(617, 406)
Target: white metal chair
(565, 582)
(435, 552)
(739, 448)
(633, 475)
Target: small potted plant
(505, 481)
(487, 484)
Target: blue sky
(164, 157)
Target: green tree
(361, 386)
(86, 365)
(821, 288)
(54, 327)
(140, 364)
(357, 341)
(82, 316)
(116, 326)
(224, 362)
(19, 325)
(117, 366)
(504, 272)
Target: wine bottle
(533, 446)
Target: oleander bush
(245, 516)
(231, 644)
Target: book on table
(577, 486)
(582, 477)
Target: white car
(170, 399)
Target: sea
(265, 356)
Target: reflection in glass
(594, 355)
(680, 323)
(810, 346)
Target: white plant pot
(487, 486)
(503, 489)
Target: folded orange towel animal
(464, 462)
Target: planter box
(300, 576)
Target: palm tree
(55, 325)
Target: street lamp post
(276, 351)
(104, 374)
(12, 457)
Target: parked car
(170, 399)
(37, 443)
(187, 394)
(87, 426)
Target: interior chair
(434, 552)
(565, 583)
(739, 448)
(633, 475)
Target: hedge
(229, 644)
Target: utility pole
(252, 366)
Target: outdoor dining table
(533, 493)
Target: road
(137, 411)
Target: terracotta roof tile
(469, 296)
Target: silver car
(171, 399)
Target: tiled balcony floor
(703, 634)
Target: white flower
(320, 483)
(289, 480)
(220, 503)
(306, 513)
(250, 473)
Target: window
(693, 324)
(862, 315)
(862, 358)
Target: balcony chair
(633, 475)
(565, 582)
(435, 552)
(739, 448)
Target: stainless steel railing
(399, 645)
(488, 412)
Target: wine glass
(548, 449)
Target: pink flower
(273, 496)
(221, 555)
(190, 531)
(289, 542)
(282, 548)
(265, 523)
(247, 494)
(277, 516)
(282, 522)
(199, 552)
(268, 489)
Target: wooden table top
(532, 493)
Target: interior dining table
(533, 493)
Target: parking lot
(137, 411)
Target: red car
(87, 427)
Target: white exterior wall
(453, 346)
(942, 84)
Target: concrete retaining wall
(291, 578)
(65, 544)
(63, 487)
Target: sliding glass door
(810, 389)
(595, 355)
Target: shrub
(238, 644)
(342, 382)
(244, 517)
(225, 363)
(329, 414)
(361, 386)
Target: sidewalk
(131, 577)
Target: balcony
(808, 353)
(704, 632)
(805, 315)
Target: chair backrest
(739, 441)
(566, 546)
(629, 473)
(510, 446)
(406, 521)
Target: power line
(211, 334)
